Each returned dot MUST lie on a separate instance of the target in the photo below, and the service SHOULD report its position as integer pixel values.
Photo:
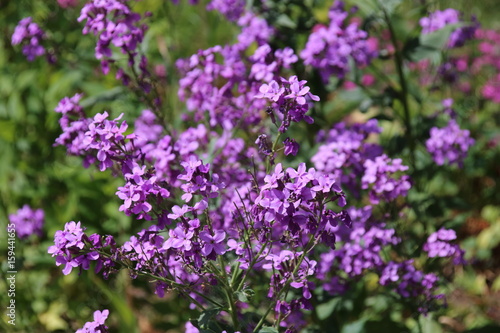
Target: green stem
(403, 93)
(181, 288)
(235, 274)
(285, 286)
(273, 150)
(252, 263)
(229, 294)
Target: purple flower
(344, 150)
(178, 212)
(438, 245)
(68, 246)
(289, 100)
(221, 82)
(70, 106)
(190, 328)
(439, 19)
(292, 202)
(298, 91)
(449, 145)
(27, 222)
(330, 49)
(213, 243)
(96, 326)
(381, 175)
(140, 187)
(254, 29)
(179, 239)
(31, 35)
(291, 147)
(410, 282)
(107, 139)
(74, 125)
(286, 56)
(198, 181)
(114, 24)
(231, 9)
(272, 91)
(275, 261)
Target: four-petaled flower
(213, 243)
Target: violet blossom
(27, 222)
(439, 19)
(449, 145)
(96, 326)
(438, 245)
(329, 49)
(30, 35)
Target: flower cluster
(96, 326)
(489, 58)
(449, 144)
(107, 138)
(114, 24)
(31, 35)
(140, 187)
(68, 247)
(98, 139)
(491, 89)
(361, 164)
(290, 99)
(330, 49)
(345, 150)
(225, 91)
(360, 252)
(381, 177)
(363, 250)
(198, 181)
(439, 19)
(438, 245)
(28, 221)
(73, 124)
(292, 203)
(411, 283)
(231, 9)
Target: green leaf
(429, 325)
(491, 213)
(429, 46)
(16, 107)
(268, 329)
(365, 105)
(389, 5)
(245, 295)
(7, 130)
(439, 38)
(206, 316)
(106, 96)
(355, 327)
(285, 21)
(25, 79)
(326, 309)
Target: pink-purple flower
(30, 35)
(28, 221)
